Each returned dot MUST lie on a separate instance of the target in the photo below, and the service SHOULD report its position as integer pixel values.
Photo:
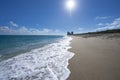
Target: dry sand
(96, 58)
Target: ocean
(30, 57)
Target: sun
(70, 4)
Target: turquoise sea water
(12, 45)
(34, 57)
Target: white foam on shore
(47, 63)
(0, 57)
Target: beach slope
(97, 57)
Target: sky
(51, 17)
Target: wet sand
(96, 58)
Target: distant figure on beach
(70, 33)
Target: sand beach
(97, 57)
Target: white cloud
(80, 29)
(23, 30)
(100, 24)
(114, 25)
(57, 31)
(103, 24)
(46, 30)
(4, 28)
(13, 24)
(102, 17)
(28, 31)
(34, 31)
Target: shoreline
(37, 64)
(96, 58)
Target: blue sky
(44, 17)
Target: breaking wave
(47, 63)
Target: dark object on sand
(70, 33)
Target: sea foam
(47, 63)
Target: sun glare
(70, 4)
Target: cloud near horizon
(114, 25)
(102, 17)
(23, 30)
(13, 24)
